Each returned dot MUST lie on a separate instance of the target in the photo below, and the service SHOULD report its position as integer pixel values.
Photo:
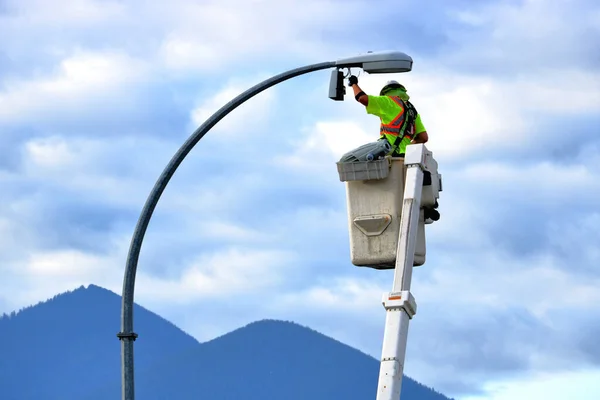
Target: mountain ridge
(78, 344)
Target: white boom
(389, 203)
(400, 304)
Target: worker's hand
(353, 80)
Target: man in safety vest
(401, 124)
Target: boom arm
(400, 304)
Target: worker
(393, 108)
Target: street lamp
(385, 62)
(371, 62)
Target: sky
(96, 96)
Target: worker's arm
(381, 106)
(420, 132)
(421, 138)
(359, 95)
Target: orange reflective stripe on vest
(391, 131)
(393, 127)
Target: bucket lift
(389, 203)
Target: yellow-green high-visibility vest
(395, 131)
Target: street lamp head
(383, 62)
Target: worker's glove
(353, 80)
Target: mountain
(66, 348)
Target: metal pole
(127, 335)
(400, 305)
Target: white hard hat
(392, 85)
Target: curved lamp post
(380, 62)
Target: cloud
(216, 274)
(484, 116)
(80, 14)
(219, 275)
(574, 384)
(284, 29)
(97, 100)
(521, 36)
(187, 37)
(235, 125)
(111, 172)
(499, 317)
(344, 294)
(64, 263)
(39, 274)
(316, 149)
(83, 81)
